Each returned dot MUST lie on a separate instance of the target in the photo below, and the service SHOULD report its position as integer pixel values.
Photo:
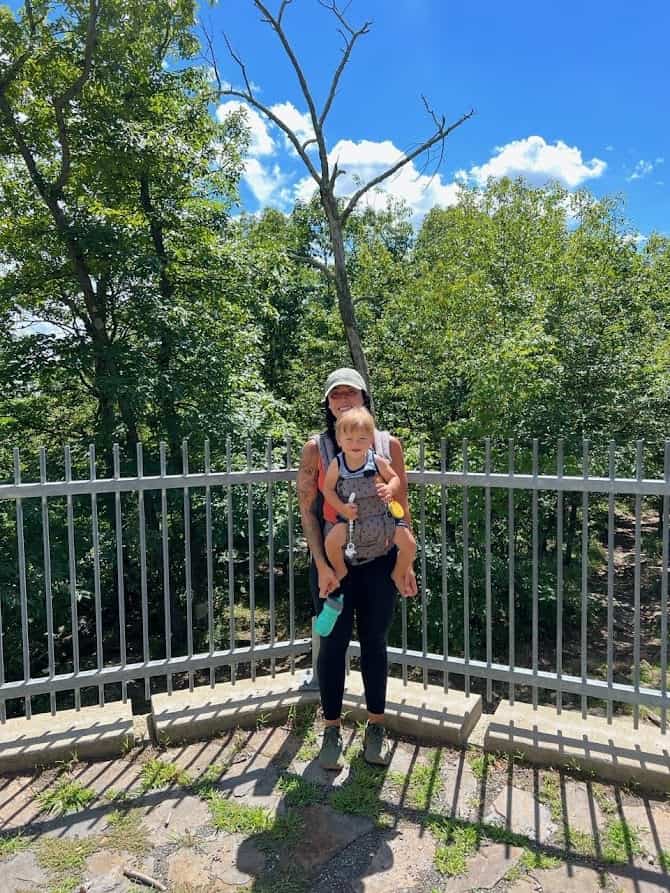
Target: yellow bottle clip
(396, 510)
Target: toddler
(358, 469)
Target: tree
(117, 185)
(323, 171)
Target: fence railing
(550, 587)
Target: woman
(368, 590)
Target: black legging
(370, 593)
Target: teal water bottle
(330, 611)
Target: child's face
(356, 442)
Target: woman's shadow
(320, 814)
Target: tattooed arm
(308, 476)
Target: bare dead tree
(322, 172)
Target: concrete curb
(617, 752)
(90, 733)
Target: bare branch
(26, 154)
(212, 57)
(248, 97)
(241, 64)
(313, 262)
(348, 47)
(288, 49)
(441, 135)
(284, 4)
(62, 102)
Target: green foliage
(237, 817)
(66, 796)
(620, 842)
(359, 795)
(63, 856)
(12, 844)
(299, 792)
(156, 774)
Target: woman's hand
(384, 491)
(349, 511)
(410, 588)
(328, 581)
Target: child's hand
(349, 511)
(384, 491)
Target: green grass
(550, 795)
(664, 860)
(298, 792)
(360, 794)
(126, 832)
(423, 784)
(579, 842)
(67, 885)
(456, 843)
(205, 785)
(13, 844)
(237, 817)
(62, 857)
(157, 774)
(533, 860)
(620, 842)
(284, 831)
(66, 796)
(301, 722)
(604, 800)
(479, 763)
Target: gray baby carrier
(374, 528)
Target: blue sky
(571, 91)
(575, 91)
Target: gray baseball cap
(344, 376)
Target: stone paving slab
(173, 816)
(581, 808)
(18, 806)
(399, 860)
(329, 850)
(486, 869)
(22, 873)
(519, 812)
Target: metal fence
(524, 589)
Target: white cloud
(262, 142)
(300, 124)
(365, 160)
(264, 182)
(643, 168)
(537, 162)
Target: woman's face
(343, 398)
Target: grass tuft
(158, 774)
(61, 857)
(533, 859)
(360, 794)
(298, 792)
(13, 844)
(126, 832)
(424, 783)
(232, 817)
(620, 842)
(66, 796)
(456, 843)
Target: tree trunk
(166, 391)
(344, 299)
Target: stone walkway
(252, 811)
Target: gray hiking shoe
(377, 750)
(330, 755)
